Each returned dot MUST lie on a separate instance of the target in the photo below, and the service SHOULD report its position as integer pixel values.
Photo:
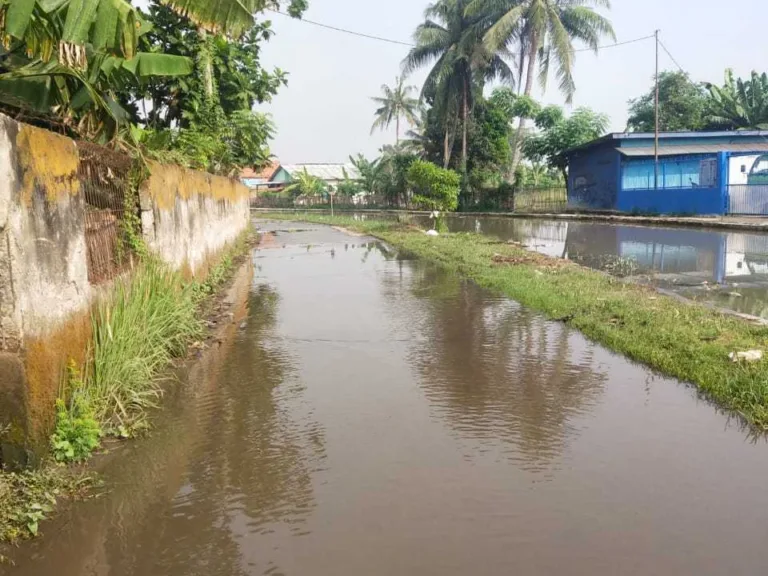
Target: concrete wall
(188, 216)
(45, 295)
(44, 289)
(593, 178)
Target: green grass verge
(150, 318)
(683, 340)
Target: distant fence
(748, 199)
(540, 200)
(104, 180)
(320, 202)
(524, 200)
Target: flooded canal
(726, 269)
(376, 416)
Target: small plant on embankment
(77, 432)
(680, 339)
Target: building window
(673, 173)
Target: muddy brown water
(377, 416)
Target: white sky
(325, 112)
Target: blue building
(698, 173)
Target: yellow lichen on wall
(167, 183)
(45, 361)
(47, 161)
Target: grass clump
(150, 318)
(683, 340)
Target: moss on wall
(45, 362)
(48, 162)
(166, 183)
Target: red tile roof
(265, 173)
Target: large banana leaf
(112, 25)
(230, 17)
(146, 64)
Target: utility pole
(656, 134)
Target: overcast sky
(325, 112)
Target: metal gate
(748, 199)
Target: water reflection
(708, 265)
(231, 466)
(376, 416)
(498, 372)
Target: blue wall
(593, 178)
(674, 199)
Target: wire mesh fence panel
(748, 199)
(541, 200)
(104, 179)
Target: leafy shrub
(213, 141)
(433, 188)
(77, 432)
(348, 187)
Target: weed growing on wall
(131, 220)
(77, 432)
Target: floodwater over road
(726, 269)
(376, 416)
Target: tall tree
(237, 71)
(739, 104)
(395, 104)
(682, 106)
(559, 134)
(545, 31)
(451, 40)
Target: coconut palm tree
(739, 104)
(451, 41)
(545, 31)
(394, 104)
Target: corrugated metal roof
(694, 149)
(619, 137)
(325, 172)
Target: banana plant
(63, 28)
(230, 17)
(71, 57)
(739, 104)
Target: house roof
(324, 171)
(266, 174)
(732, 139)
(681, 149)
